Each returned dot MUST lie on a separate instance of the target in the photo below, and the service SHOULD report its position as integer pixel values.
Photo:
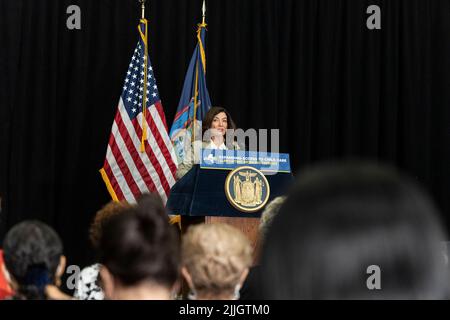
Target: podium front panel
(201, 192)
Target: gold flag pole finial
(204, 11)
(143, 8)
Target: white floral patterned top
(87, 285)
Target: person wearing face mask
(214, 136)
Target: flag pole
(144, 99)
(143, 8)
(204, 11)
(203, 66)
(203, 25)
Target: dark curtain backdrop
(310, 68)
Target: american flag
(140, 157)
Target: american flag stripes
(140, 157)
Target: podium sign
(231, 159)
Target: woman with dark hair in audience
(34, 261)
(355, 231)
(214, 136)
(139, 253)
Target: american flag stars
(134, 83)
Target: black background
(310, 68)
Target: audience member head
(215, 259)
(102, 216)
(341, 219)
(267, 216)
(34, 261)
(139, 253)
(269, 213)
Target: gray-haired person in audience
(215, 261)
(250, 289)
(269, 213)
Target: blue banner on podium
(230, 159)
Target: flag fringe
(108, 185)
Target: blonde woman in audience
(215, 261)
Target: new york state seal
(247, 189)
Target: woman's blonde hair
(215, 255)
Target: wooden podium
(249, 226)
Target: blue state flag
(194, 101)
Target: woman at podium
(214, 136)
